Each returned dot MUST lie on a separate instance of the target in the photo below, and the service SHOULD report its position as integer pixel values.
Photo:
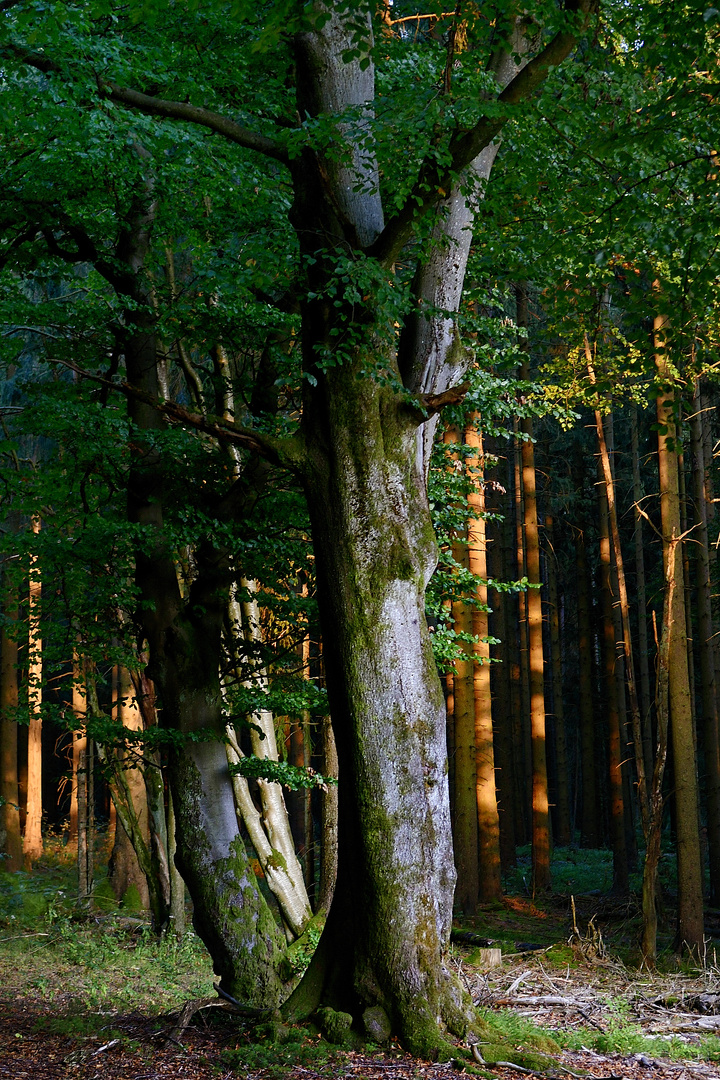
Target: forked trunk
(386, 937)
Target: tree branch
(154, 106)
(195, 114)
(434, 181)
(287, 453)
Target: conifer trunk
(706, 646)
(589, 821)
(540, 804)
(465, 808)
(640, 588)
(621, 881)
(690, 902)
(563, 837)
(489, 879)
(10, 836)
(33, 841)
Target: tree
(361, 455)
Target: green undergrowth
(505, 1036)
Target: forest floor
(98, 998)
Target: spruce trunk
(690, 900)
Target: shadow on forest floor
(96, 996)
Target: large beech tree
(381, 250)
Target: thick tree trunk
(386, 937)
(690, 901)
(184, 637)
(11, 844)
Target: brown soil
(576, 986)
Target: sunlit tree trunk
(33, 841)
(124, 870)
(82, 754)
(522, 725)
(540, 807)
(465, 810)
(489, 878)
(690, 902)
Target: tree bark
(10, 836)
(124, 869)
(706, 646)
(640, 588)
(590, 831)
(563, 837)
(489, 877)
(464, 801)
(690, 902)
(33, 841)
(621, 881)
(540, 805)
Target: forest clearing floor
(99, 998)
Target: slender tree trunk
(621, 881)
(500, 672)
(523, 735)
(177, 885)
(464, 803)
(690, 902)
(11, 844)
(328, 819)
(648, 943)
(124, 869)
(563, 837)
(540, 806)
(590, 823)
(706, 647)
(489, 879)
(33, 842)
(84, 802)
(643, 652)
